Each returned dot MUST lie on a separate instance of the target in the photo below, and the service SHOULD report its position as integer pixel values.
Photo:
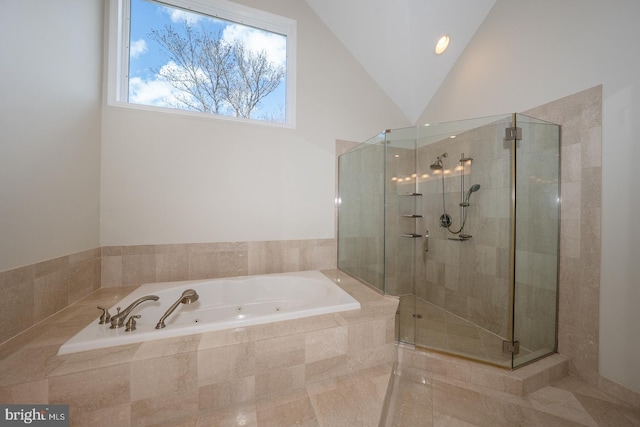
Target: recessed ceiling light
(442, 44)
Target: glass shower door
(361, 212)
(402, 222)
(537, 217)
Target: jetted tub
(225, 303)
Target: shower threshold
(428, 326)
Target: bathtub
(222, 304)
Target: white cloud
(156, 91)
(137, 48)
(151, 92)
(275, 45)
(179, 16)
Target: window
(209, 57)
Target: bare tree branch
(215, 76)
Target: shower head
(473, 189)
(437, 165)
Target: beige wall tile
(172, 266)
(280, 380)
(203, 265)
(12, 277)
(52, 266)
(111, 274)
(580, 116)
(139, 250)
(152, 378)
(107, 251)
(227, 393)
(167, 347)
(89, 391)
(119, 415)
(16, 306)
(169, 409)
(221, 364)
(233, 263)
(294, 409)
(326, 343)
(50, 294)
(279, 352)
(138, 268)
(33, 392)
(364, 335)
(326, 368)
(84, 256)
(81, 280)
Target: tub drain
(277, 308)
(239, 308)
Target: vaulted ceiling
(394, 41)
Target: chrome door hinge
(512, 347)
(513, 134)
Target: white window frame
(118, 51)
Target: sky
(145, 87)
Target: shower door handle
(426, 241)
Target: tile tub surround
(134, 265)
(259, 372)
(34, 292)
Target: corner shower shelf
(412, 194)
(412, 235)
(412, 216)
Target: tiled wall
(35, 292)
(132, 265)
(580, 117)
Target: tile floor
(351, 400)
(419, 398)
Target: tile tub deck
(337, 365)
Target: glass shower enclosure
(460, 221)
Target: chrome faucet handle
(105, 317)
(131, 323)
(116, 324)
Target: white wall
(50, 92)
(177, 179)
(530, 53)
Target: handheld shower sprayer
(473, 189)
(445, 218)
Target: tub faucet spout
(117, 321)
